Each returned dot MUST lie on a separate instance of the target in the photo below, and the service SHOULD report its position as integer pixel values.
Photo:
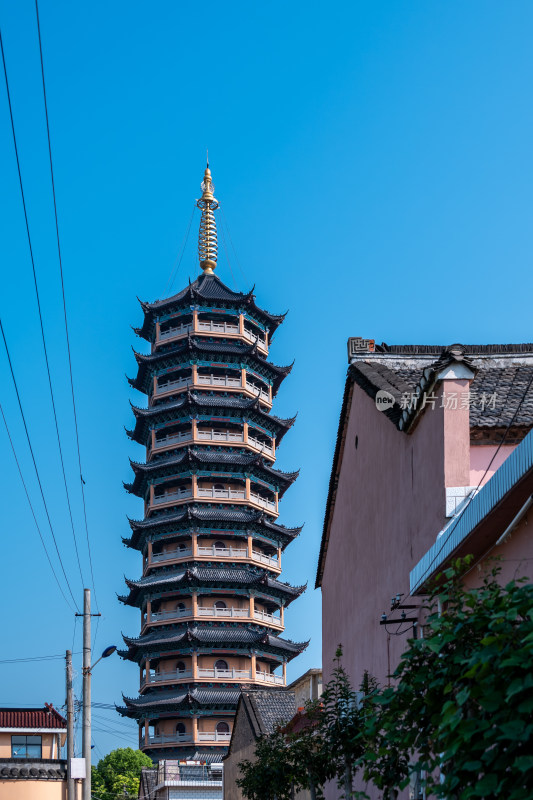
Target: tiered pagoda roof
(190, 403)
(205, 289)
(245, 575)
(206, 542)
(228, 635)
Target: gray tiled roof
(271, 707)
(210, 696)
(243, 576)
(503, 372)
(210, 634)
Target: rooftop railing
(209, 326)
(257, 390)
(170, 613)
(220, 436)
(259, 445)
(263, 501)
(233, 552)
(177, 674)
(172, 438)
(264, 616)
(213, 736)
(169, 333)
(254, 337)
(224, 494)
(218, 380)
(213, 611)
(232, 674)
(171, 554)
(179, 383)
(170, 738)
(268, 677)
(178, 494)
(263, 559)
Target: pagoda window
(222, 727)
(180, 728)
(220, 546)
(220, 604)
(180, 666)
(221, 664)
(180, 607)
(221, 487)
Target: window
(180, 607)
(180, 666)
(26, 747)
(222, 727)
(219, 487)
(221, 664)
(220, 604)
(220, 546)
(180, 728)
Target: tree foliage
(462, 702)
(458, 715)
(118, 774)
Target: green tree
(460, 709)
(118, 774)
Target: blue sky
(373, 161)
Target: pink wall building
(433, 459)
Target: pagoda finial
(207, 235)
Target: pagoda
(210, 597)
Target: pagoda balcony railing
(223, 551)
(264, 616)
(261, 557)
(171, 332)
(220, 436)
(213, 736)
(210, 326)
(172, 438)
(264, 448)
(254, 337)
(180, 383)
(219, 380)
(177, 674)
(231, 674)
(263, 501)
(171, 554)
(257, 390)
(213, 611)
(176, 495)
(170, 738)
(171, 613)
(268, 677)
(224, 494)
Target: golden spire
(207, 235)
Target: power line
(34, 462)
(40, 313)
(65, 306)
(31, 506)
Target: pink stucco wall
(480, 461)
(389, 508)
(515, 556)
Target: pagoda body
(210, 597)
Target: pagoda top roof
(218, 401)
(224, 635)
(191, 515)
(208, 288)
(195, 347)
(196, 576)
(194, 456)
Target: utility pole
(70, 729)
(86, 746)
